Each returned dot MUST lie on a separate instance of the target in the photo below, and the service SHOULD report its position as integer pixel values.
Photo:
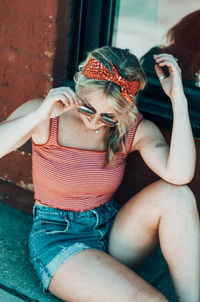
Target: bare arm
(18, 128)
(175, 164)
(26, 119)
(171, 163)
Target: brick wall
(34, 51)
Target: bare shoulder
(146, 131)
(25, 108)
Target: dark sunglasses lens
(85, 110)
(109, 122)
(106, 120)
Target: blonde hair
(129, 68)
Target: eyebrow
(87, 103)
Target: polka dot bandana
(96, 70)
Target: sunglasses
(104, 118)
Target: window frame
(93, 25)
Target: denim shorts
(57, 235)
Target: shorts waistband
(71, 215)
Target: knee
(179, 197)
(159, 299)
(155, 297)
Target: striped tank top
(74, 179)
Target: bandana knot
(96, 70)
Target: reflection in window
(173, 26)
(144, 27)
(136, 26)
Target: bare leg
(93, 276)
(168, 213)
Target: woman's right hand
(58, 101)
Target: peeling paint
(21, 184)
(5, 177)
(48, 53)
(11, 57)
(28, 186)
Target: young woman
(83, 247)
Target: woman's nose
(94, 119)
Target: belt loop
(96, 214)
(34, 210)
(70, 215)
(74, 216)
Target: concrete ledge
(18, 280)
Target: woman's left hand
(172, 84)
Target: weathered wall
(34, 51)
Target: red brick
(11, 77)
(13, 98)
(45, 39)
(28, 65)
(36, 8)
(33, 48)
(40, 28)
(16, 168)
(16, 24)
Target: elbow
(179, 180)
(183, 181)
(189, 178)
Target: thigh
(93, 275)
(134, 235)
(58, 235)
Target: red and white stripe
(75, 179)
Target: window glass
(142, 25)
(136, 25)
(163, 26)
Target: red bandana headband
(96, 70)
